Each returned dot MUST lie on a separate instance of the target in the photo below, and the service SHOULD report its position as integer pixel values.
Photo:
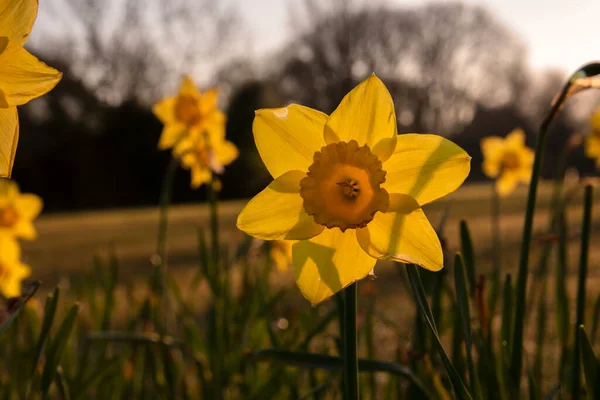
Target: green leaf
(595, 319)
(57, 347)
(591, 366)
(103, 369)
(419, 292)
(49, 314)
(462, 297)
(468, 254)
(18, 304)
(330, 363)
(560, 283)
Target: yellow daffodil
(349, 189)
(280, 253)
(17, 211)
(190, 113)
(203, 158)
(22, 76)
(592, 141)
(12, 270)
(507, 160)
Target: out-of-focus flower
(191, 113)
(22, 76)
(592, 140)
(280, 253)
(203, 157)
(350, 189)
(507, 160)
(12, 270)
(17, 211)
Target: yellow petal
(403, 234)
(507, 183)
(171, 135)
(188, 87)
(200, 176)
(288, 137)
(366, 115)
(29, 205)
(595, 120)
(226, 152)
(328, 263)
(592, 146)
(277, 212)
(16, 18)
(9, 137)
(515, 139)
(22, 76)
(164, 110)
(426, 167)
(208, 101)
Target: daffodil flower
(190, 113)
(349, 189)
(204, 158)
(22, 76)
(280, 252)
(507, 160)
(592, 141)
(17, 211)
(12, 270)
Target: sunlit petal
(328, 263)
(367, 115)
(9, 137)
(188, 87)
(403, 234)
(507, 183)
(287, 138)
(22, 76)
(277, 212)
(16, 18)
(165, 110)
(171, 134)
(426, 167)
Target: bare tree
(136, 49)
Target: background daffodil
(280, 252)
(190, 113)
(592, 140)
(22, 76)
(507, 160)
(203, 158)
(17, 211)
(12, 270)
(349, 188)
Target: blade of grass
(462, 298)
(31, 289)
(350, 343)
(468, 256)
(583, 262)
(591, 365)
(415, 281)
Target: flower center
(8, 217)
(343, 186)
(187, 110)
(510, 161)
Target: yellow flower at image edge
(203, 158)
(592, 140)
(190, 113)
(507, 160)
(22, 76)
(12, 270)
(349, 189)
(17, 211)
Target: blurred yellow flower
(349, 188)
(203, 158)
(22, 76)
(592, 141)
(507, 160)
(280, 253)
(190, 113)
(17, 211)
(12, 271)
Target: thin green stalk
(497, 243)
(516, 363)
(350, 344)
(583, 261)
(213, 200)
(166, 194)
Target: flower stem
(350, 344)
(213, 200)
(497, 243)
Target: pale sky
(559, 33)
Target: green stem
(213, 200)
(516, 364)
(497, 243)
(350, 344)
(166, 194)
(583, 261)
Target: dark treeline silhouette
(452, 69)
